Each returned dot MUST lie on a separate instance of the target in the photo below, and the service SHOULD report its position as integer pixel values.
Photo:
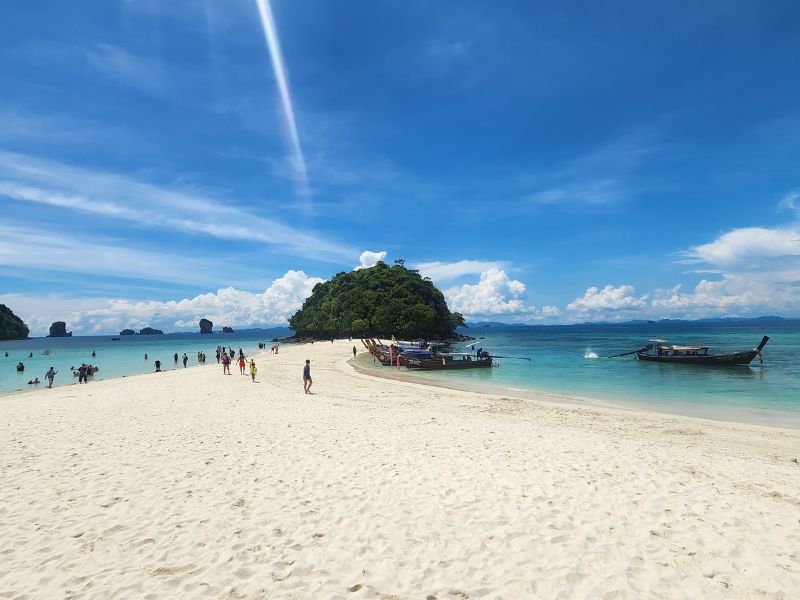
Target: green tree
(11, 326)
(388, 300)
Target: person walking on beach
(354, 351)
(242, 364)
(50, 375)
(253, 370)
(226, 364)
(307, 382)
(185, 360)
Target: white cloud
(759, 271)
(441, 271)
(791, 201)
(551, 312)
(124, 67)
(496, 293)
(598, 191)
(608, 302)
(228, 306)
(739, 247)
(44, 250)
(370, 259)
(29, 179)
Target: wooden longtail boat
(697, 355)
(444, 361)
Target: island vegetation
(150, 331)
(378, 301)
(11, 326)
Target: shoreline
(195, 484)
(788, 420)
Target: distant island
(206, 326)
(227, 329)
(59, 329)
(377, 301)
(150, 331)
(11, 326)
(144, 331)
(762, 319)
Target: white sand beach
(191, 484)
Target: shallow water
(564, 364)
(115, 358)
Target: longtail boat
(658, 351)
(444, 361)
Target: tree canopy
(379, 300)
(11, 326)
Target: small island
(11, 326)
(150, 331)
(59, 329)
(206, 326)
(227, 329)
(377, 301)
(127, 332)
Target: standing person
(145, 355)
(241, 364)
(50, 375)
(158, 366)
(307, 382)
(217, 354)
(354, 351)
(83, 371)
(94, 353)
(185, 360)
(175, 356)
(253, 370)
(226, 364)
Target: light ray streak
(271, 37)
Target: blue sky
(541, 163)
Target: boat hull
(437, 364)
(738, 359)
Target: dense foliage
(381, 300)
(11, 326)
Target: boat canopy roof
(684, 348)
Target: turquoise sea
(115, 358)
(569, 361)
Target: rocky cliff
(59, 329)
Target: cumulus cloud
(759, 273)
(495, 294)
(228, 306)
(747, 246)
(608, 302)
(442, 271)
(370, 259)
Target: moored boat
(658, 351)
(445, 361)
